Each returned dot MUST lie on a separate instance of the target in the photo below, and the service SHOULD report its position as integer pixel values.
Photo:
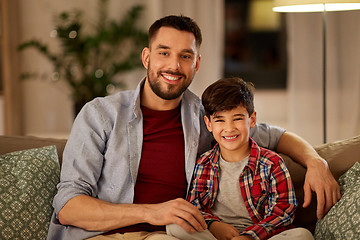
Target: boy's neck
(235, 155)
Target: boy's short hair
(226, 94)
(181, 23)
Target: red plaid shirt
(266, 188)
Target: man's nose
(174, 63)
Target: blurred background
(280, 52)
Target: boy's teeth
(230, 137)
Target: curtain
(305, 53)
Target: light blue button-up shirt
(102, 155)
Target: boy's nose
(229, 126)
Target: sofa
(19, 150)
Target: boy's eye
(219, 120)
(238, 119)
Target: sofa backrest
(16, 143)
(340, 156)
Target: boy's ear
(208, 123)
(253, 120)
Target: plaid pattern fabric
(265, 184)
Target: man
(130, 156)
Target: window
(255, 44)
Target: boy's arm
(281, 205)
(199, 192)
(318, 177)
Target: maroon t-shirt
(161, 176)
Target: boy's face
(231, 130)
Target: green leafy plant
(88, 62)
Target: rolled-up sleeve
(266, 135)
(83, 156)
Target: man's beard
(173, 91)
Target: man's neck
(150, 100)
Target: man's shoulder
(127, 97)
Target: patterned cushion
(28, 181)
(343, 219)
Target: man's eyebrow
(161, 46)
(239, 115)
(190, 51)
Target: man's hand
(319, 179)
(177, 211)
(223, 231)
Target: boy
(242, 190)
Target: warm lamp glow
(261, 17)
(315, 5)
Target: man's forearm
(93, 214)
(299, 150)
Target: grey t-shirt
(229, 204)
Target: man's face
(171, 62)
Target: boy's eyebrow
(235, 115)
(217, 116)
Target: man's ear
(197, 66)
(145, 57)
(208, 123)
(253, 120)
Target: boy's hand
(243, 237)
(223, 231)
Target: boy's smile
(231, 130)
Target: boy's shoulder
(265, 156)
(211, 156)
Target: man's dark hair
(181, 23)
(226, 94)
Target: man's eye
(164, 53)
(186, 57)
(219, 120)
(238, 119)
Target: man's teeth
(229, 138)
(171, 78)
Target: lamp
(318, 6)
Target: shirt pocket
(259, 194)
(204, 189)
